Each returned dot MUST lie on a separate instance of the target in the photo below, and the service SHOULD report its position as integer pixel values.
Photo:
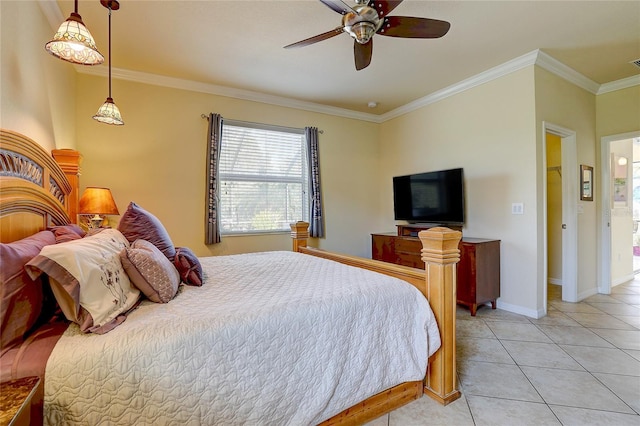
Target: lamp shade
(74, 43)
(97, 201)
(109, 113)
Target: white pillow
(88, 279)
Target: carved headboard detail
(34, 191)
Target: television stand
(478, 271)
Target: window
(263, 178)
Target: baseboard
(622, 280)
(556, 281)
(516, 309)
(618, 281)
(587, 293)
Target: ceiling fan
(369, 17)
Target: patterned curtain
(316, 228)
(214, 135)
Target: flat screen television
(432, 197)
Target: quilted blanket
(274, 338)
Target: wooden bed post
(299, 234)
(440, 254)
(69, 162)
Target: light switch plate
(517, 208)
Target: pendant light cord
(109, 49)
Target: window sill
(254, 233)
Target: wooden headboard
(35, 191)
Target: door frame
(604, 261)
(570, 194)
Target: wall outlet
(517, 208)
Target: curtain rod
(206, 117)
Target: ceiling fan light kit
(369, 17)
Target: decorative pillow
(150, 271)
(64, 233)
(88, 280)
(21, 296)
(139, 224)
(188, 266)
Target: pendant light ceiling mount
(109, 113)
(110, 4)
(74, 43)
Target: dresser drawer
(409, 246)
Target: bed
(323, 338)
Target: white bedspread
(269, 339)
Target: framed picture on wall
(620, 181)
(586, 183)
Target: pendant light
(109, 112)
(74, 43)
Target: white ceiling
(239, 45)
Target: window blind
(263, 178)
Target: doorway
(635, 196)
(554, 217)
(561, 228)
(619, 215)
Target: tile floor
(579, 365)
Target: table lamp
(98, 202)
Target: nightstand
(15, 401)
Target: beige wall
(618, 112)
(157, 159)
(563, 104)
(490, 132)
(37, 90)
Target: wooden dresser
(478, 272)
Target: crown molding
(469, 83)
(536, 57)
(54, 16)
(561, 70)
(194, 86)
(624, 83)
(52, 12)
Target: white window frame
(226, 176)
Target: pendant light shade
(74, 43)
(109, 113)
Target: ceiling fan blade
(362, 54)
(315, 39)
(410, 27)
(338, 6)
(384, 7)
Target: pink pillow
(139, 224)
(188, 266)
(21, 297)
(64, 233)
(150, 271)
